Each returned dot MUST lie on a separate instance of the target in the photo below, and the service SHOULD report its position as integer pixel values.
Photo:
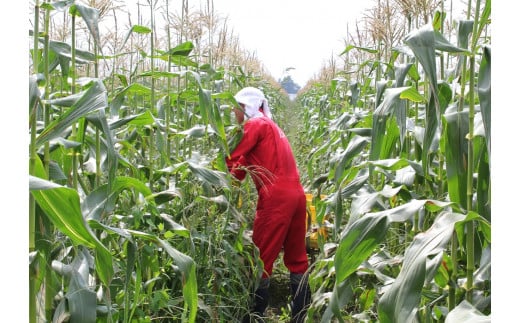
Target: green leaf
(357, 243)
(391, 164)
(341, 294)
(160, 74)
(422, 43)
(364, 49)
(135, 89)
(64, 50)
(57, 5)
(390, 138)
(365, 202)
(143, 119)
(484, 185)
(438, 20)
(400, 303)
(183, 49)
(61, 204)
(401, 71)
(205, 104)
(442, 44)
(165, 196)
(81, 299)
(138, 29)
(217, 123)
(466, 312)
(406, 211)
(456, 128)
(334, 201)
(106, 147)
(379, 123)
(413, 95)
(94, 98)
(132, 89)
(364, 132)
(91, 18)
(465, 28)
(483, 22)
(484, 93)
(431, 131)
(210, 176)
(135, 29)
(103, 198)
(176, 227)
(34, 94)
(183, 61)
(187, 267)
(354, 148)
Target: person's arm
(237, 162)
(236, 167)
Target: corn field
(132, 213)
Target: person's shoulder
(260, 125)
(259, 121)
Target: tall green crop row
(132, 214)
(404, 164)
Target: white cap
(253, 99)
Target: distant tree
(289, 85)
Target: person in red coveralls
(265, 154)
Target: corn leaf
(364, 49)
(421, 259)
(91, 18)
(355, 146)
(357, 243)
(422, 43)
(103, 198)
(456, 128)
(187, 267)
(379, 123)
(142, 119)
(484, 93)
(183, 49)
(466, 312)
(81, 299)
(61, 204)
(210, 176)
(64, 50)
(34, 94)
(138, 29)
(92, 99)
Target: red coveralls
(281, 208)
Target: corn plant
(412, 222)
(132, 214)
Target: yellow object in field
(239, 200)
(313, 228)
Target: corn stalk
(32, 161)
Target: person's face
(239, 113)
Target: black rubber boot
(301, 297)
(260, 303)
